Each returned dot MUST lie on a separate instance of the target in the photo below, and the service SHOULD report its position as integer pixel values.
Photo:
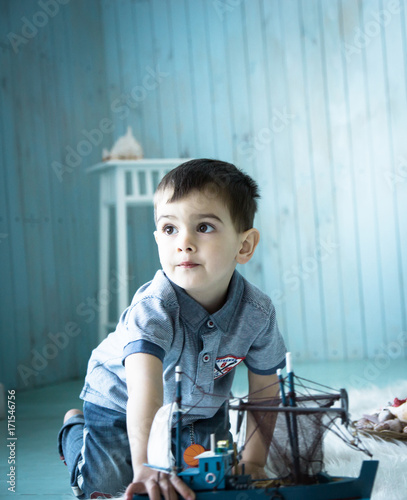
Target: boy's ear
(250, 240)
(155, 236)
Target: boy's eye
(169, 230)
(205, 228)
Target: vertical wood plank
(379, 124)
(395, 70)
(322, 189)
(147, 57)
(296, 208)
(264, 146)
(338, 167)
(131, 91)
(255, 152)
(88, 71)
(350, 156)
(187, 119)
(164, 79)
(30, 182)
(327, 252)
(11, 234)
(202, 79)
(239, 92)
(116, 95)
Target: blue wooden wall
(308, 96)
(53, 88)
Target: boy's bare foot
(72, 413)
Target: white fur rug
(391, 478)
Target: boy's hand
(157, 484)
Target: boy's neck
(212, 306)
(211, 302)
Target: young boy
(198, 312)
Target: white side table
(123, 183)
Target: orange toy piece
(191, 452)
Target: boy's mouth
(187, 264)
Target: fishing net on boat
(292, 427)
(295, 435)
(309, 453)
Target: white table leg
(121, 242)
(104, 245)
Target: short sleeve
(267, 352)
(148, 327)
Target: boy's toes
(72, 413)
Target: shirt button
(210, 324)
(206, 358)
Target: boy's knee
(72, 413)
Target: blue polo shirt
(163, 320)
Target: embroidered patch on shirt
(225, 365)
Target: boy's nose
(186, 244)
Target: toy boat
(298, 453)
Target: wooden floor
(39, 472)
(41, 475)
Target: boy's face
(198, 245)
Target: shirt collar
(194, 314)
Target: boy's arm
(254, 455)
(145, 396)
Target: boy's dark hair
(239, 191)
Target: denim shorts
(95, 447)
